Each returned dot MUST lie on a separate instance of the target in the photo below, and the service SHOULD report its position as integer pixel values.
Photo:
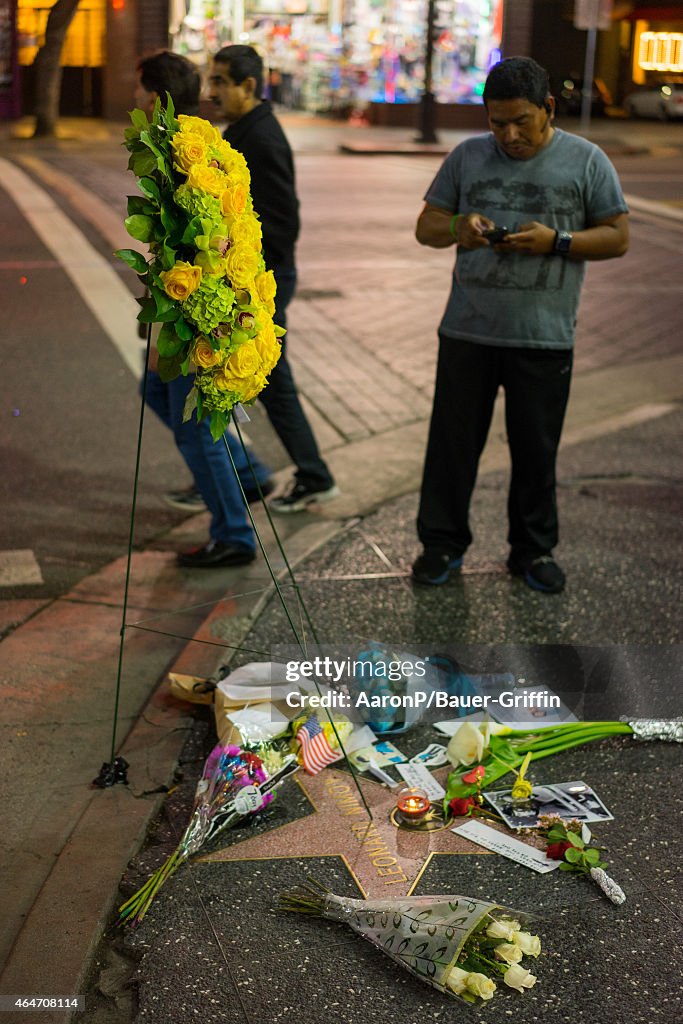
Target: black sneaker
(300, 496)
(542, 573)
(433, 567)
(189, 500)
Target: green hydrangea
(198, 203)
(214, 398)
(210, 304)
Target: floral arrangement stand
(208, 289)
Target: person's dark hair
(244, 62)
(518, 78)
(169, 72)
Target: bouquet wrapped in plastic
(457, 944)
(234, 784)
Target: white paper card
(259, 723)
(506, 846)
(418, 775)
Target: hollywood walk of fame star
(383, 859)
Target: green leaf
(183, 329)
(163, 302)
(168, 342)
(218, 424)
(168, 256)
(567, 867)
(169, 367)
(576, 840)
(167, 317)
(139, 227)
(142, 163)
(134, 259)
(592, 856)
(139, 119)
(572, 855)
(190, 232)
(170, 220)
(148, 311)
(138, 204)
(190, 404)
(149, 188)
(169, 113)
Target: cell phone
(496, 235)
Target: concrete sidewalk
(367, 302)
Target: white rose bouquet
(457, 944)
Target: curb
(79, 894)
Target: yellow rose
(234, 201)
(203, 353)
(208, 179)
(244, 361)
(181, 280)
(267, 347)
(232, 162)
(265, 286)
(246, 230)
(198, 126)
(252, 387)
(241, 264)
(188, 150)
(267, 307)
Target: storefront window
(327, 55)
(84, 42)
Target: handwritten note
(506, 846)
(418, 775)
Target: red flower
(460, 805)
(556, 850)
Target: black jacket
(260, 139)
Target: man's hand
(532, 237)
(434, 229)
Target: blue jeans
(207, 461)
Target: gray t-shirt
(521, 299)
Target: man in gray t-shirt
(510, 320)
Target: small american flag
(316, 752)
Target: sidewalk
(358, 347)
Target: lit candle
(413, 803)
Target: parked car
(569, 97)
(662, 101)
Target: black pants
(283, 406)
(536, 384)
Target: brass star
(384, 860)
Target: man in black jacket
(235, 85)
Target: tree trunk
(48, 69)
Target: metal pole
(588, 69)
(427, 111)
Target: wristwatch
(563, 241)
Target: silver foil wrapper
(668, 729)
(610, 888)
